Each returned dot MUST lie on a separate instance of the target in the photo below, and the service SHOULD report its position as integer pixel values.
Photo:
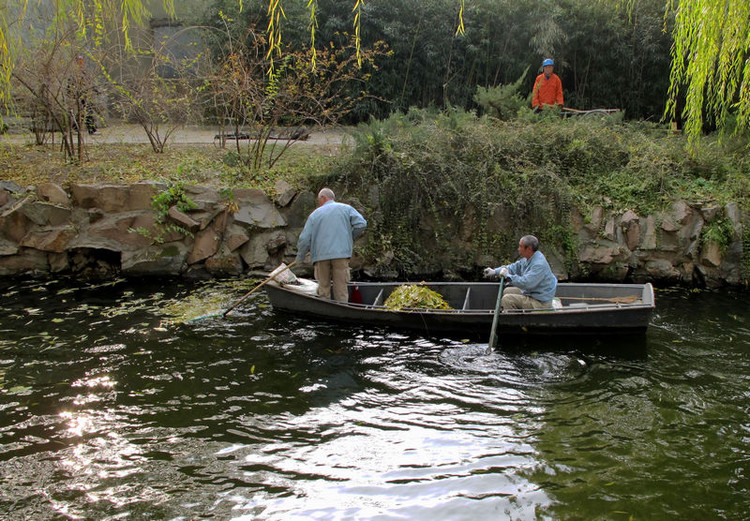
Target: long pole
(493, 334)
(256, 288)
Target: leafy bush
(503, 101)
(720, 232)
(173, 196)
(451, 182)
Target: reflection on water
(113, 404)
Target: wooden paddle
(493, 335)
(256, 288)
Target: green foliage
(503, 101)
(227, 193)
(142, 231)
(615, 55)
(609, 53)
(173, 196)
(720, 232)
(563, 235)
(709, 56)
(415, 296)
(272, 97)
(453, 181)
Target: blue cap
(548, 61)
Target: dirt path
(122, 133)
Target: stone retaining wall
(106, 230)
(103, 230)
(670, 247)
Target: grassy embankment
(447, 177)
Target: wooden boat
(584, 309)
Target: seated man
(534, 284)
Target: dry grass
(110, 163)
(203, 164)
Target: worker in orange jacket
(547, 87)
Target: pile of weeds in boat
(442, 178)
(415, 296)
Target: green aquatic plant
(208, 300)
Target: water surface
(112, 408)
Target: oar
(256, 288)
(493, 335)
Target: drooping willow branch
(88, 18)
(276, 14)
(711, 61)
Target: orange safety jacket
(547, 91)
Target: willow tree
(90, 18)
(711, 62)
(710, 56)
(276, 14)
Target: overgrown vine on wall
(745, 264)
(454, 189)
(441, 180)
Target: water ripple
(108, 412)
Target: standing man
(534, 284)
(329, 235)
(547, 87)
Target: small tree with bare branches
(269, 108)
(57, 89)
(159, 104)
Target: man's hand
(504, 272)
(489, 273)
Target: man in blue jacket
(533, 282)
(329, 235)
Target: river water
(113, 407)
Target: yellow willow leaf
(461, 29)
(313, 22)
(357, 40)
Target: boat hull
(588, 309)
